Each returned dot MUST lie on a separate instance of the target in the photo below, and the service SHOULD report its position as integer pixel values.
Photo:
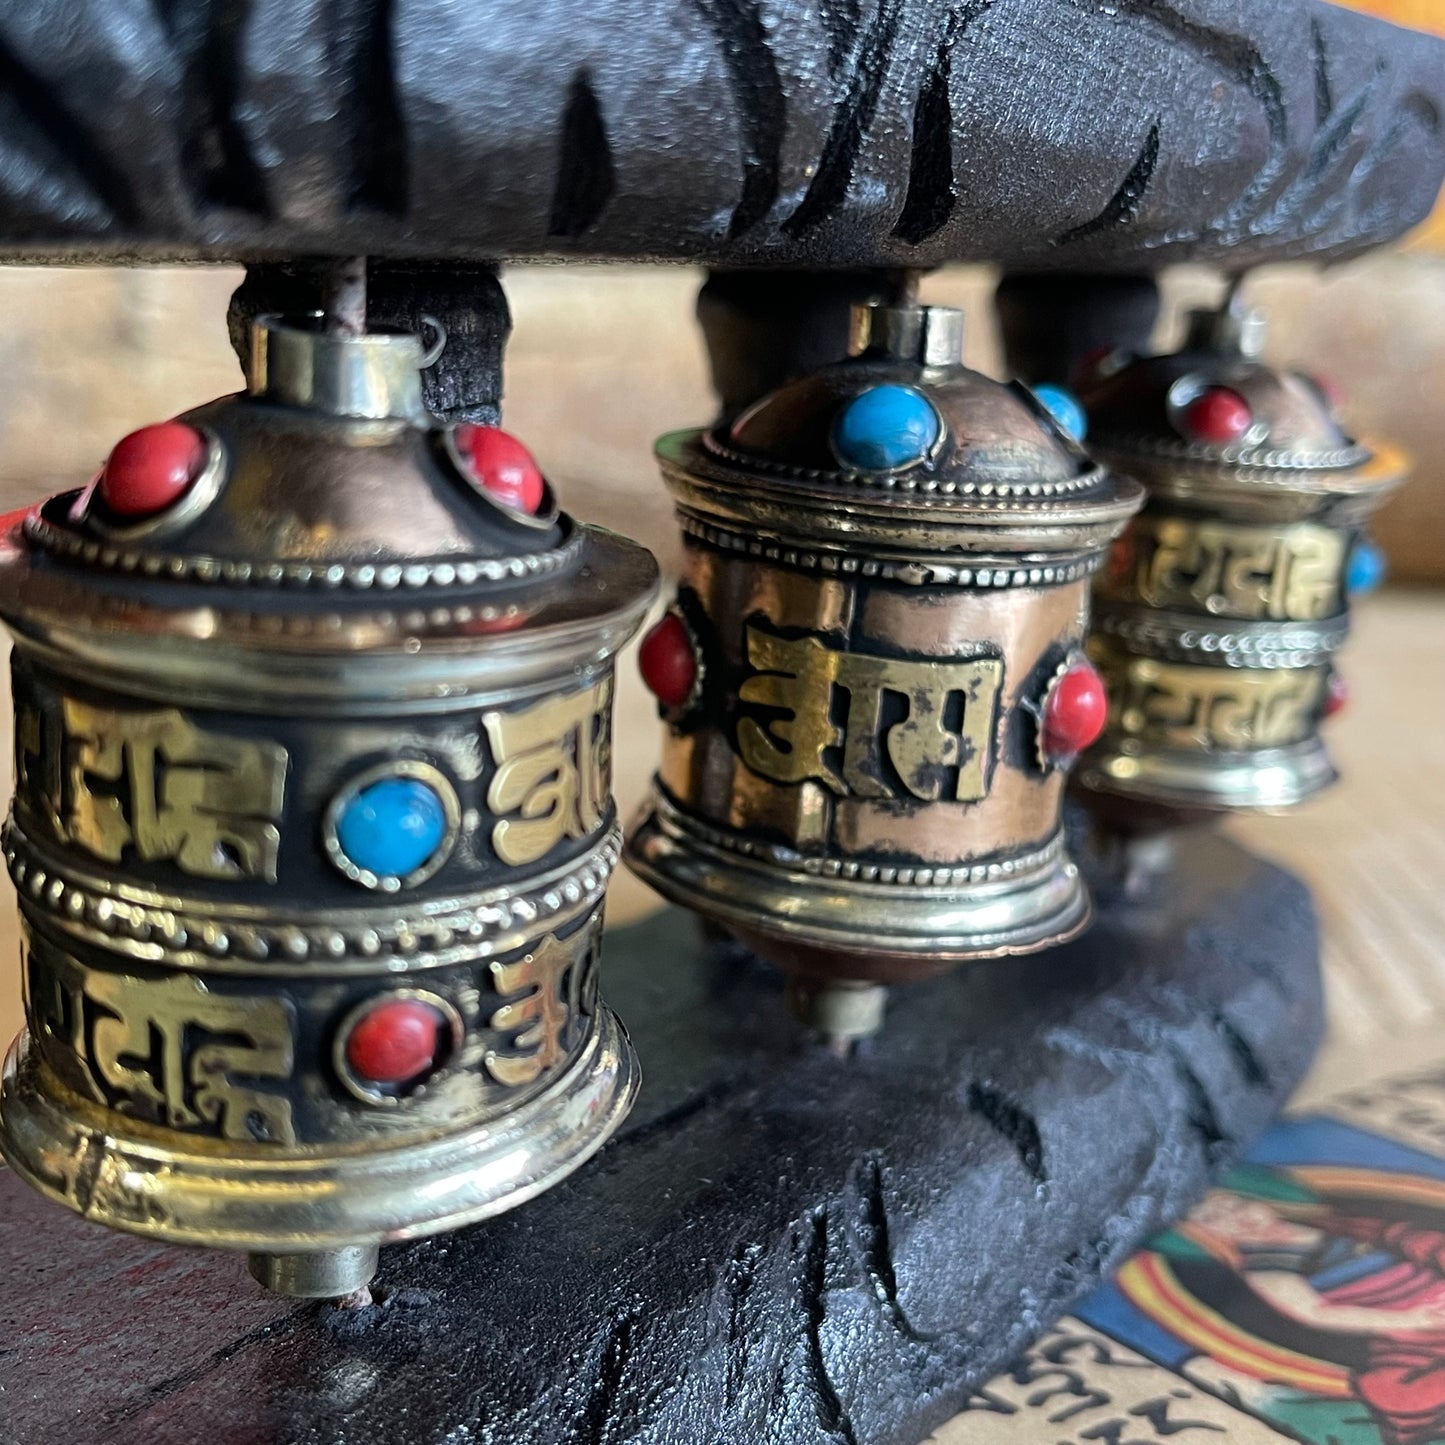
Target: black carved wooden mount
(1045, 134)
(780, 1246)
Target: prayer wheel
(1220, 613)
(313, 821)
(872, 676)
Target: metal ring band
(183, 933)
(1180, 637)
(1264, 459)
(359, 576)
(899, 481)
(916, 572)
(674, 820)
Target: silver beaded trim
(329, 625)
(185, 933)
(900, 481)
(1264, 459)
(851, 869)
(1266, 646)
(913, 573)
(360, 576)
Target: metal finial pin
(1241, 326)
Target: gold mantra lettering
(1291, 574)
(168, 1050)
(155, 783)
(1213, 707)
(553, 773)
(913, 728)
(554, 982)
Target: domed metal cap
(1214, 417)
(320, 514)
(326, 474)
(902, 444)
(904, 414)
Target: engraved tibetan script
(1232, 709)
(1410, 1109)
(1076, 1386)
(167, 1049)
(110, 780)
(1289, 574)
(868, 726)
(545, 993)
(553, 772)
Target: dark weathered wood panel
(1040, 133)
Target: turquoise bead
(392, 827)
(886, 428)
(1366, 568)
(1064, 407)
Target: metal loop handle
(432, 354)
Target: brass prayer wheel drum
(872, 676)
(313, 822)
(1220, 613)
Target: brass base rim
(82, 1157)
(1268, 780)
(1024, 912)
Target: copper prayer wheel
(1218, 618)
(313, 821)
(872, 675)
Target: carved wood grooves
(777, 1247)
(1040, 133)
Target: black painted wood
(781, 1246)
(1053, 134)
(1049, 323)
(763, 328)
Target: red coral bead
(1218, 416)
(1337, 695)
(501, 466)
(668, 662)
(1074, 711)
(395, 1042)
(152, 469)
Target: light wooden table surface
(1373, 848)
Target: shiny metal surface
(337, 611)
(132, 1177)
(1264, 780)
(857, 786)
(251, 651)
(841, 1011)
(929, 335)
(364, 375)
(1224, 603)
(890, 925)
(317, 1274)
